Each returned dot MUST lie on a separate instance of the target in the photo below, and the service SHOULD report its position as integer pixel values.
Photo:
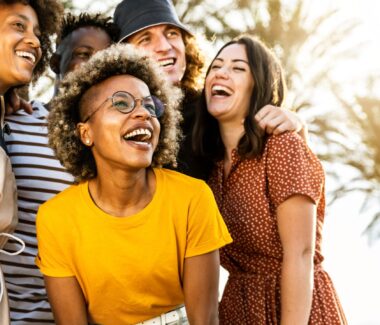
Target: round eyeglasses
(125, 103)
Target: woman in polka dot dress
(270, 191)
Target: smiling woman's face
(20, 48)
(118, 140)
(229, 84)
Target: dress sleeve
(52, 244)
(206, 230)
(292, 169)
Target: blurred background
(331, 54)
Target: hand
(276, 120)
(15, 103)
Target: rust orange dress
(248, 200)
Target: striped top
(39, 176)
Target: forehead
(24, 12)
(233, 52)
(90, 36)
(155, 30)
(128, 83)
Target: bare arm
(297, 225)
(201, 280)
(15, 103)
(67, 301)
(276, 120)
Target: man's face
(80, 46)
(166, 44)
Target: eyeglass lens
(124, 102)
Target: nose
(162, 44)
(222, 72)
(140, 111)
(32, 39)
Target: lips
(221, 90)
(139, 135)
(169, 62)
(31, 57)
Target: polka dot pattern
(248, 199)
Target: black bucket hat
(133, 16)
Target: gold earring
(88, 141)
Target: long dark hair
(269, 88)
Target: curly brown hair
(49, 14)
(192, 81)
(119, 59)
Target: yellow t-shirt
(130, 269)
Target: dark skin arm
(15, 103)
(200, 285)
(66, 300)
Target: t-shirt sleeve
(292, 169)
(52, 245)
(206, 230)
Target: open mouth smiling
(219, 90)
(27, 55)
(167, 62)
(139, 135)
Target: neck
(123, 193)
(231, 133)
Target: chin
(138, 165)
(24, 78)
(175, 79)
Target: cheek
(39, 54)
(157, 129)
(208, 87)
(183, 53)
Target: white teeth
(139, 132)
(218, 88)
(26, 55)
(166, 62)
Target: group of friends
(144, 174)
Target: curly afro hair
(49, 14)
(72, 22)
(119, 59)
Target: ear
(84, 131)
(55, 61)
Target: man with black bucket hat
(154, 26)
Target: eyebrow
(234, 60)
(25, 18)
(22, 16)
(87, 47)
(143, 33)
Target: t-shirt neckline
(128, 221)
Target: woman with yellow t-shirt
(131, 242)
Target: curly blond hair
(119, 59)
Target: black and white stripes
(39, 176)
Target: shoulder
(63, 199)
(38, 116)
(286, 144)
(178, 180)
(39, 108)
(287, 138)
(184, 188)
